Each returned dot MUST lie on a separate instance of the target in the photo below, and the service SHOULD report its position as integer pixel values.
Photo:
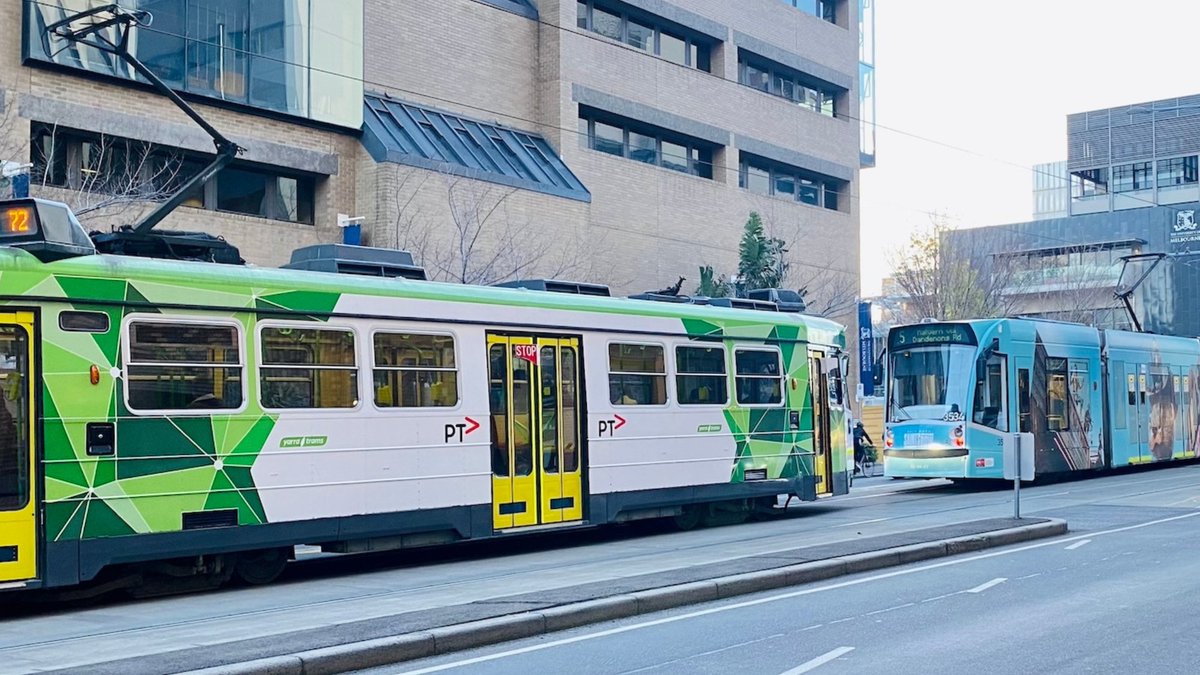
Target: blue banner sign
(866, 349)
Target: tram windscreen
(930, 382)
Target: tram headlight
(889, 438)
(959, 439)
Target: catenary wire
(727, 169)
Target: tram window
(637, 374)
(700, 376)
(1056, 394)
(570, 420)
(1025, 422)
(180, 366)
(1116, 384)
(498, 398)
(759, 380)
(14, 418)
(415, 371)
(308, 368)
(1080, 389)
(990, 393)
(83, 322)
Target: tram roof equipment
(363, 260)
(557, 286)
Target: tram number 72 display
(18, 220)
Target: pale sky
(997, 79)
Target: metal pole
(1017, 481)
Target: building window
(1131, 177)
(415, 371)
(646, 144)
(307, 368)
(700, 376)
(637, 374)
(1177, 171)
(788, 182)
(486, 151)
(822, 9)
(759, 378)
(296, 57)
(1089, 183)
(645, 32)
(793, 85)
(182, 366)
(135, 171)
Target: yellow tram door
(18, 484)
(822, 446)
(512, 387)
(560, 471)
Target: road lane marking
(890, 609)
(819, 661)
(983, 587)
(782, 596)
(708, 653)
(1081, 542)
(820, 625)
(865, 522)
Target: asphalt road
(324, 591)
(1119, 595)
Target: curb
(459, 637)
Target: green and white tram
(186, 417)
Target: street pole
(1017, 480)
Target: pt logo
(607, 427)
(455, 433)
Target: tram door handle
(101, 438)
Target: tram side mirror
(100, 439)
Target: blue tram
(1091, 398)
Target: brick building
(623, 142)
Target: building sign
(930, 334)
(866, 349)
(1185, 235)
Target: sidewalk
(417, 634)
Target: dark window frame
(1133, 177)
(699, 153)
(781, 78)
(68, 146)
(828, 188)
(1087, 183)
(697, 50)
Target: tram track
(791, 523)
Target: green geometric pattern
(168, 466)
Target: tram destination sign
(930, 334)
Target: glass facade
(1133, 177)
(646, 144)
(1089, 183)
(644, 32)
(771, 178)
(136, 171)
(774, 78)
(1177, 171)
(297, 57)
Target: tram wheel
(261, 567)
(690, 518)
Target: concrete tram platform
(405, 636)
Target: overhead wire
(727, 169)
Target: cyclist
(860, 452)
